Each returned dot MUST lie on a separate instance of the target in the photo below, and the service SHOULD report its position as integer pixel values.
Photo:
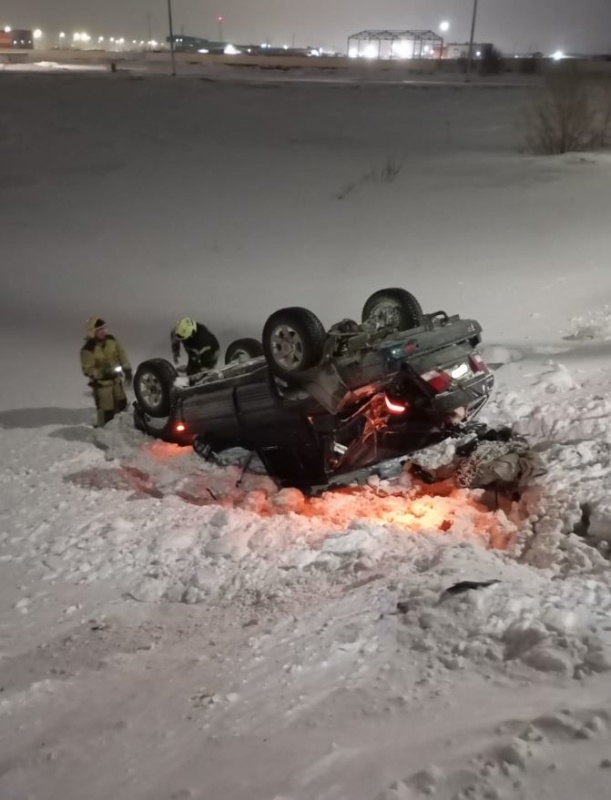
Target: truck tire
(243, 350)
(293, 341)
(397, 309)
(153, 386)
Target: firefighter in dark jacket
(105, 363)
(200, 344)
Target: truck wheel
(153, 384)
(293, 341)
(393, 308)
(243, 350)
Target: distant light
(153, 43)
(444, 26)
(558, 55)
(112, 38)
(370, 51)
(203, 51)
(8, 29)
(230, 50)
(353, 52)
(479, 54)
(219, 19)
(403, 49)
(134, 41)
(62, 35)
(37, 34)
(76, 37)
(100, 38)
(285, 46)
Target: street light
(471, 40)
(37, 34)
(219, 19)
(444, 27)
(171, 26)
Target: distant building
(195, 44)
(460, 50)
(16, 40)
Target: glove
(419, 472)
(503, 434)
(128, 375)
(465, 449)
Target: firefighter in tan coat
(105, 363)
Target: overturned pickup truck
(316, 404)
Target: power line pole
(171, 26)
(471, 40)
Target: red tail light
(477, 363)
(180, 427)
(438, 380)
(394, 406)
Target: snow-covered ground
(168, 633)
(51, 66)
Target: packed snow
(174, 629)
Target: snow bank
(528, 758)
(163, 526)
(332, 631)
(594, 326)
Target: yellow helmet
(94, 324)
(185, 328)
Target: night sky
(514, 25)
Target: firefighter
(200, 344)
(105, 363)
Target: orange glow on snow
(165, 451)
(456, 512)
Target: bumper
(471, 396)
